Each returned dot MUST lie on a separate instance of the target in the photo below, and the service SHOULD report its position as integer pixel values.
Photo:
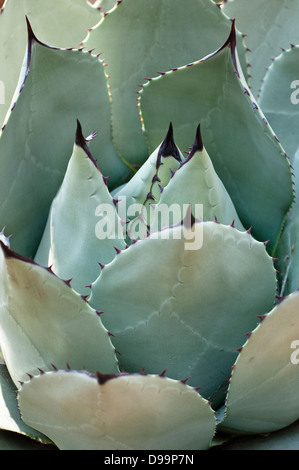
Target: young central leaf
(83, 227)
(135, 199)
(194, 184)
(279, 98)
(269, 26)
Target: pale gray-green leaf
(262, 395)
(44, 322)
(125, 412)
(204, 285)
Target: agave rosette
(139, 281)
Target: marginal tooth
(262, 317)
(184, 381)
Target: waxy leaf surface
(44, 322)
(158, 298)
(242, 146)
(125, 412)
(70, 243)
(279, 98)
(140, 39)
(57, 91)
(269, 26)
(65, 24)
(262, 395)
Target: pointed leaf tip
(32, 37)
(197, 146)
(30, 33)
(9, 253)
(80, 141)
(168, 148)
(231, 42)
(198, 140)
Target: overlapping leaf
(122, 412)
(195, 184)
(269, 25)
(57, 91)
(141, 40)
(168, 185)
(287, 251)
(158, 298)
(262, 395)
(242, 146)
(65, 24)
(279, 98)
(45, 322)
(71, 244)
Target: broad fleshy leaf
(135, 199)
(146, 185)
(242, 146)
(65, 24)
(195, 183)
(269, 26)
(158, 298)
(122, 412)
(152, 46)
(287, 251)
(167, 184)
(263, 391)
(44, 322)
(285, 439)
(279, 98)
(71, 244)
(57, 91)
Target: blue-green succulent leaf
(60, 87)
(44, 322)
(135, 199)
(269, 26)
(83, 222)
(287, 250)
(279, 98)
(148, 182)
(285, 439)
(65, 24)
(158, 298)
(262, 395)
(152, 46)
(195, 183)
(244, 150)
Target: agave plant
(148, 262)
